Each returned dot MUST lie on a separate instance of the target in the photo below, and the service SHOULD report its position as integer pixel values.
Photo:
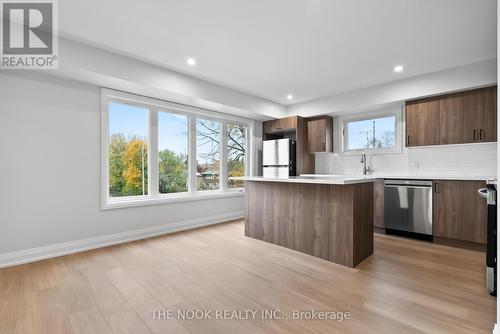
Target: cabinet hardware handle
(474, 134)
(481, 134)
(408, 140)
(436, 187)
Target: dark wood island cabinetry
(330, 221)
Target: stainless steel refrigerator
(278, 158)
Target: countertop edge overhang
(313, 180)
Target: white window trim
(397, 112)
(192, 113)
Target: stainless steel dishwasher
(408, 208)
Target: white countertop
(413, 176)
(323, 179)
(352, 179)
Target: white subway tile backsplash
(450, 160)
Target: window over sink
(372, 132)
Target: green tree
(117, 148)
(173, 172)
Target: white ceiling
(270, 48)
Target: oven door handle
(483, 192)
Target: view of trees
(386, 139)
(208, 136)
(128, 166)
(173, 172)
(236, 153)
(128, 162)
(208, 154)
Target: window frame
(192, 113)
(370, 115)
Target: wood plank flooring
(406, 286)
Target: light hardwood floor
(406, 286)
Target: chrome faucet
(366, 169)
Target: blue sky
(133, 121)
(357, 130)
(172, 132)
(172, 128)
(128, 120)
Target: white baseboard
(64, 248)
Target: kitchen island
(327, 217)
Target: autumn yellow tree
(135, 174)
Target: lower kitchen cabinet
(473, 227)
(459, 213)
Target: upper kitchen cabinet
(320, 134)
(451, 119)
(422, 120)
(277, 126)
(465, 117)
(480, 107)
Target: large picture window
(156, 151)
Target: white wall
(82, 62)
(455, 79)
(476, 160)
(50, 169)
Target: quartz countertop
(358, 178)
(411, 176)
(322, 179)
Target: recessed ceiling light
(289, 97)
(398, 68)
(191, 61)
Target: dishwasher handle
(408, 183)
(407, 186)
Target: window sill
(117, 203)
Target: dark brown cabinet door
(474, 208)
(422, 123)
(470, 126)
(320, 134)
(447, 202)
(480, 107)
(486, 117)
(466, 117)
(451, 119)
(459, 212)
(280, 125)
